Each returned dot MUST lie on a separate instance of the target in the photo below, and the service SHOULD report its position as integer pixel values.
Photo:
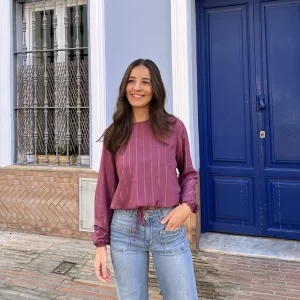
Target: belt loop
(132, 212)
(159, 213)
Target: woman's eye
(145, 82)
(130, 81)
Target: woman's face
(139, 87)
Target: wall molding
(6, 85)
(97, 75)
(185, 104)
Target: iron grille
(52, 105)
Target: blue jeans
(170, 251)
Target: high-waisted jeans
(170, 251)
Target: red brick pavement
(218, 277)
(27, 261)
(233, 277)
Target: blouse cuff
(194, 206)
(101, 244)
(100, 240)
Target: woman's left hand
(176, 217)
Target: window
(52, 95)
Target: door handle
(261, 101)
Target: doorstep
(250, 246)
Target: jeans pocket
(173, 241)
(120, 236)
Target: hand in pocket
(176, 217)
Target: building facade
(230, 69)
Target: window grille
(52, 96)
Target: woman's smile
(138, 97)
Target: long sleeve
(188, 176)
(106, 187)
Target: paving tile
(8, 291)
(30, 296)
(9, 297)
(21, 290)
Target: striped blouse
(144, 174)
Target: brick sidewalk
(27, 262)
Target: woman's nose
(137, 85)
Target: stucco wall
(136, 29)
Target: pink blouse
(144, 174)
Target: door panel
(241, 191)
(281, 24)
(280, 171)
(231, 172)
(228, 84)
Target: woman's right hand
(102, 272)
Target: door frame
(202, 129)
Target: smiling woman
(138, 192)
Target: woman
(140, 204)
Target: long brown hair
(118, 133)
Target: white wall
(6, 88)
(185, 99)
(97, 80)
(136, 29)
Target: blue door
(249, 112)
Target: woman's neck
(140, 114)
